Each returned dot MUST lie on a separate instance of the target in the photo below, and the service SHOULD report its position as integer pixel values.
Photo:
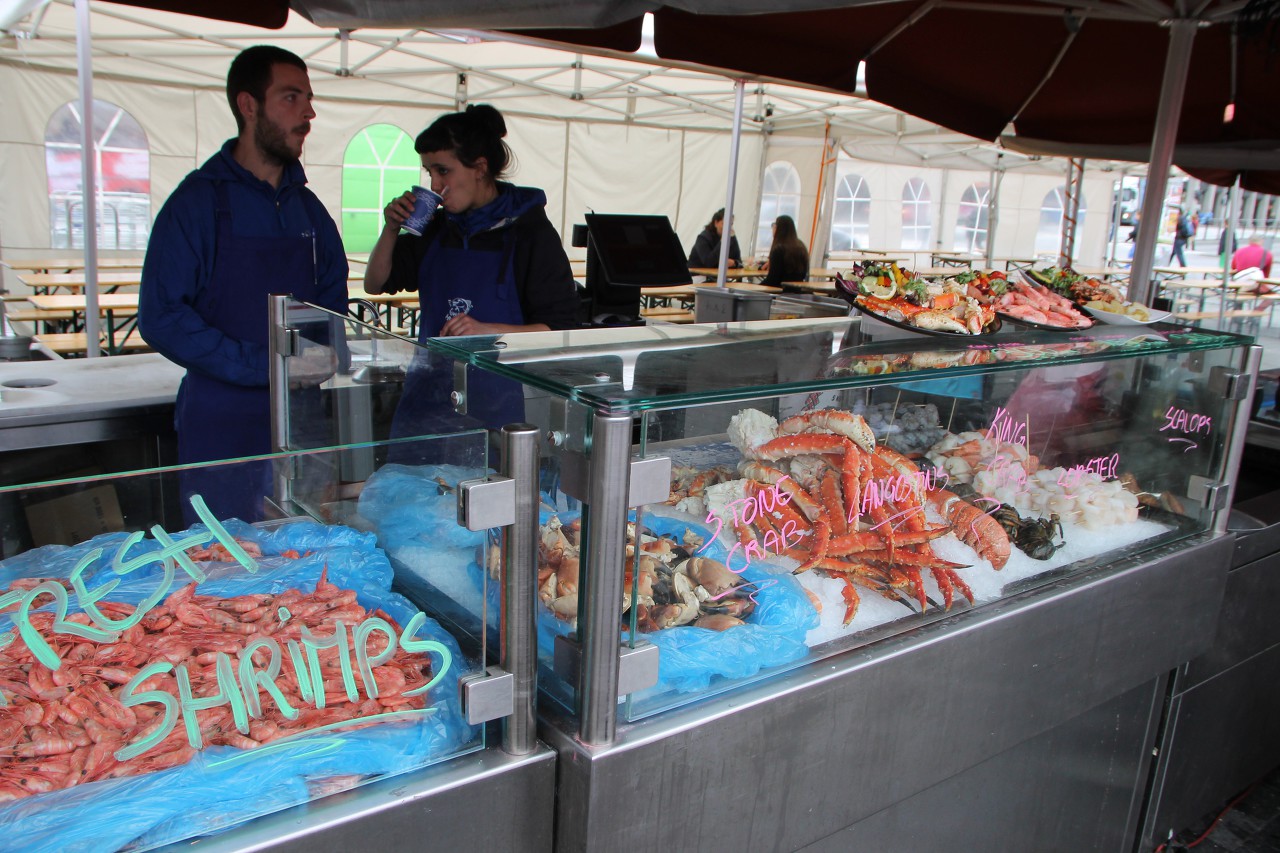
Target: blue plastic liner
(418, 528)
(222, 786)
(691, 658)
(417, 525)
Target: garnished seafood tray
(162, 686)
(875, 536)
(898, 296)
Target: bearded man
(239, 228)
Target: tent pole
(823, 160)
(1182, 32)
(1071, 211)
(993, 209)
(739, 92)
(88, 178)
(1228, 248)
(1109, 259)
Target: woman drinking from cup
(489, 262)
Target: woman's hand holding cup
(399, 209)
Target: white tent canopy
(606, 133)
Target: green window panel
(378, 165)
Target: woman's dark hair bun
(489, 118)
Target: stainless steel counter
(53, 403)
(1048, 699)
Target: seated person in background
(788, 257)
(1253, 256)
(706, 249)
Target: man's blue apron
(455, 281)
(218, 420)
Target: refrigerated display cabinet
(254, 680)
(783, 560)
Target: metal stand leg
(520, 586)
(601, 585)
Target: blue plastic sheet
(221, 785)
(417, 526)
(692, 658)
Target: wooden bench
(33, 315)
(667, 315)
(65, 343)
(1238, 318)
(1228, 315)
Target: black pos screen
(626, 252)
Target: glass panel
(1112, 430)
(659, 367)
(833, 519)
(208, 670)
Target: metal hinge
(286, 341)
(459, 396)
(490, 695)
(487, 502)
(1210, 494)
(1232, 385)
(649, 480)
(637, 667)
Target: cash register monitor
(626, 252)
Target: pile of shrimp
(1037, 304)
(63, 727)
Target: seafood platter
(1104, 302)
(897, 296)
(168, 685)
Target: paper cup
(423, 210)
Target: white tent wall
(581, 165)
(1021, 197)
(805, 154)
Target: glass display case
(184, 649)
(823, 484)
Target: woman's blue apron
(218, 420)
(455, 281)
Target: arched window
(123, 167)
(851, 223)
(917, 215)
(1049, 232)
(378, 165)
(779, 196)
(971, 224)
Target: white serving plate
(1115, 319)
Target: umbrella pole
(88, 178)
(739, 93)
(1177, 62)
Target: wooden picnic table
(1183, 272)
(732, 272)
(113, 306)
(399, 312)
(48, 265)
(52, 282)
(1202, 288)
(953, 259)
(1018, 263)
